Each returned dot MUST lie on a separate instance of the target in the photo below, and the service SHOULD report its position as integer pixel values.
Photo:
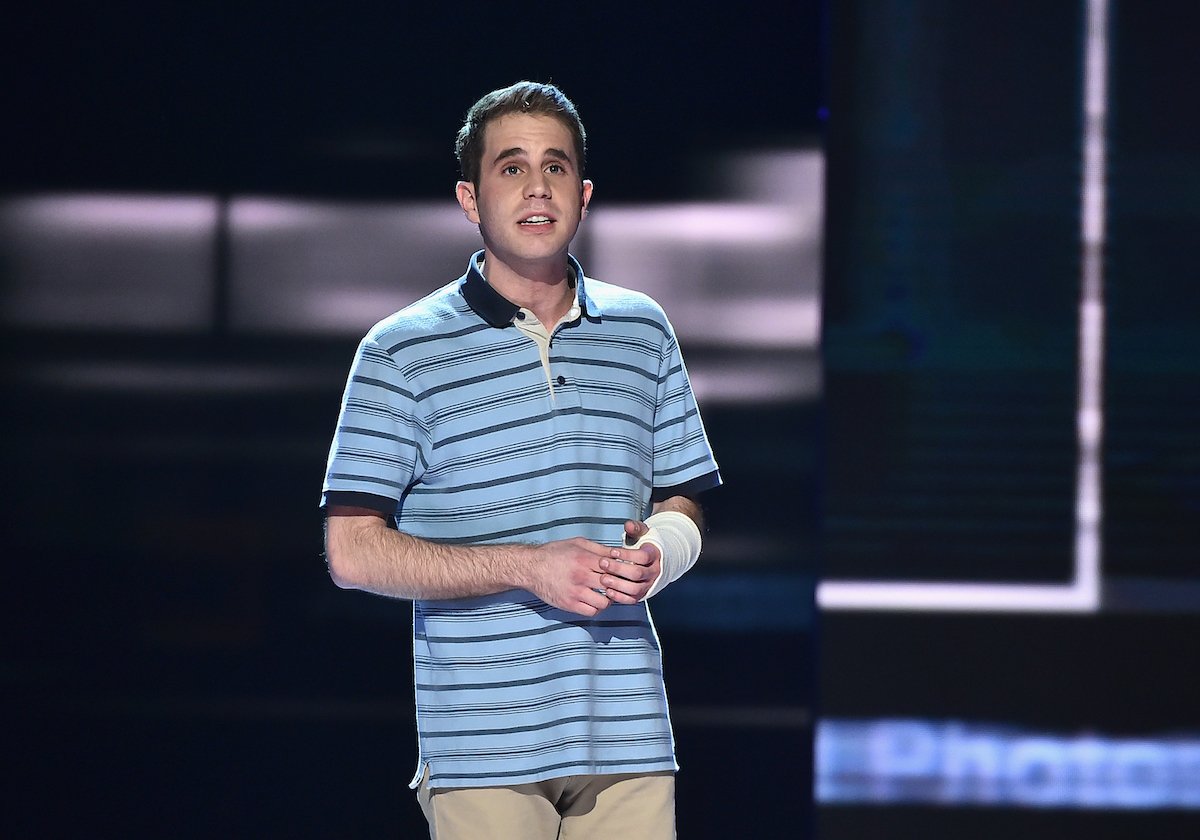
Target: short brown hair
(522, 98)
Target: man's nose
(538, 186)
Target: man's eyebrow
(517, 151)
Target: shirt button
(520, 315)
(562, 380)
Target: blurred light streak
(110, 214)
(320, 267)
(1083, 594)
(787, 177)
(746, 321)
(728, 275)
(1089, 503)
(733, 273)
(167, 378)
(957, 597)
(740, 274)
(108, 261)
(728, 224)
(761, 380)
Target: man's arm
(632, 572)
(686, 505)
(363, 553)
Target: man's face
(529, 201)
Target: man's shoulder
(621, 300)
(427, 316)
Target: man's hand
(630, 571)
(576, 575)
(568, 574)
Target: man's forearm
(363, 553)
(686, 505)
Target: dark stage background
(864, 218)
(182, 182)
(1014, 503)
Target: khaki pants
(606, 807)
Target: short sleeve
(683, 460)
(375, 449)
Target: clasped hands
(585, 577)
(627, 572)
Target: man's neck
(546, 292)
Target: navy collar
(498, 310)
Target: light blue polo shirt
(451, 424)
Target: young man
(533, 435)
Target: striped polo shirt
(455, 423)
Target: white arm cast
(678, 541)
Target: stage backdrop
(1011, 613)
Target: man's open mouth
(536, 220)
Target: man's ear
(587, 197)
(464, 191)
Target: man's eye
(512, 169)
(555, 169)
